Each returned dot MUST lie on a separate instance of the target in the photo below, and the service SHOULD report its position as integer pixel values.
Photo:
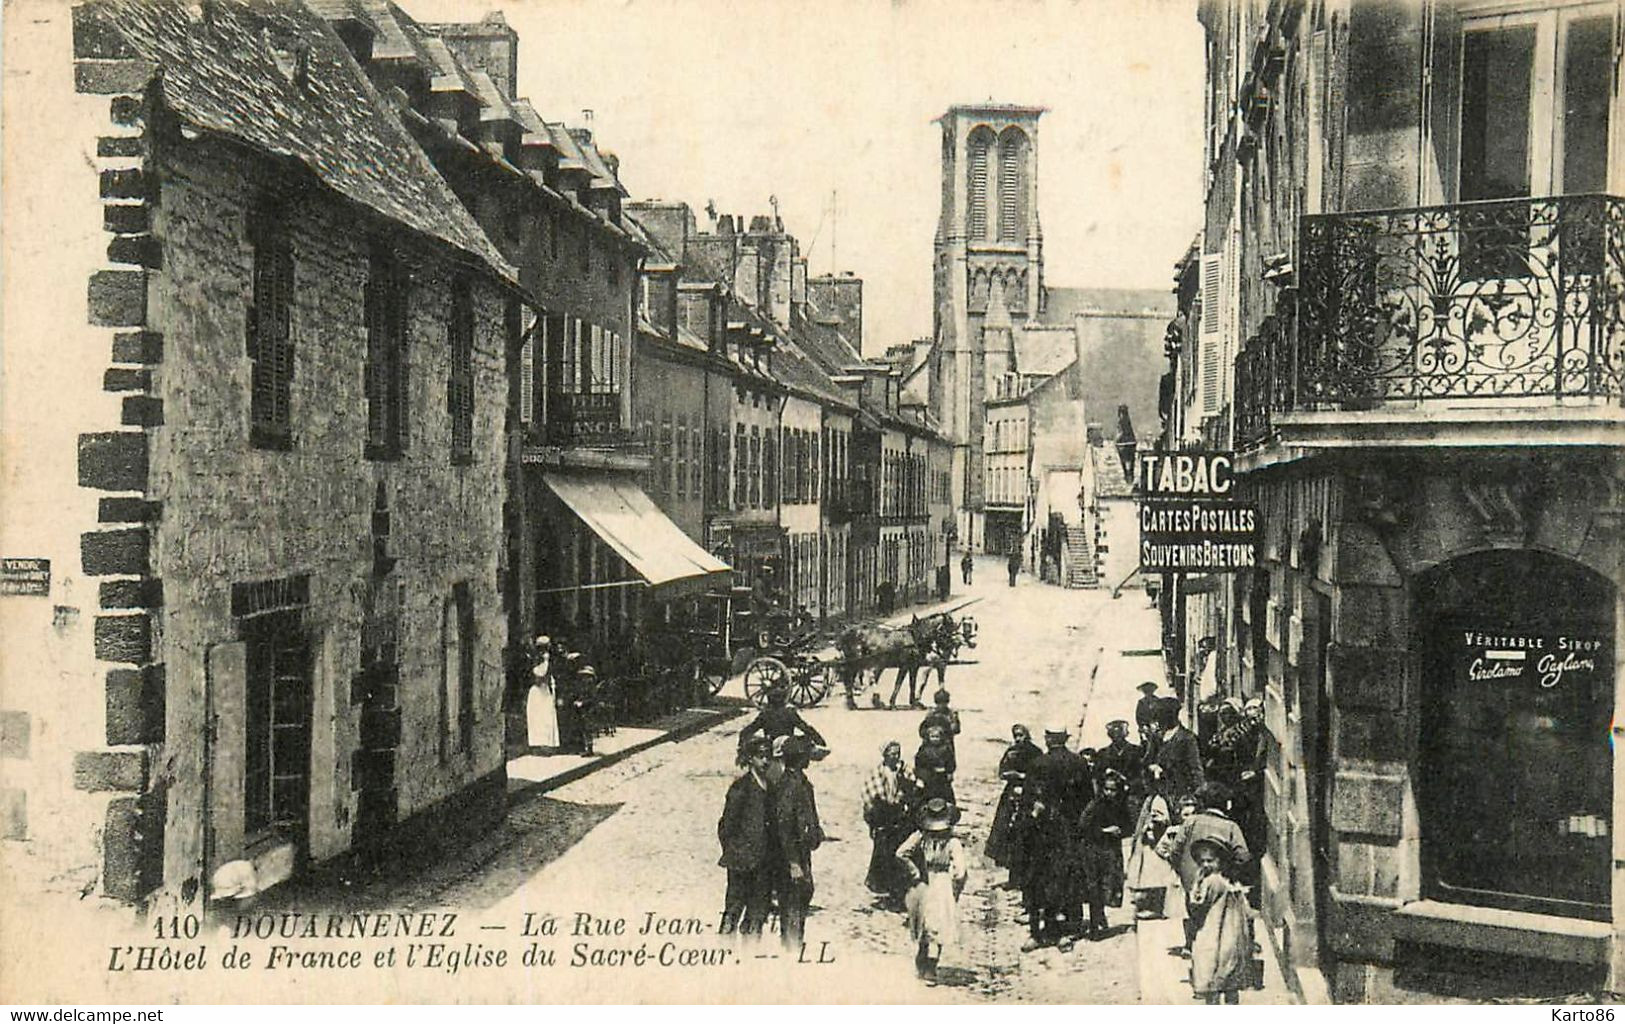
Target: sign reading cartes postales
(1189, 523)
(26, 576)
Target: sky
(809, 101)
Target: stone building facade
(288, 474)
(1405, 317)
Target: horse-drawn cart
(807, 666)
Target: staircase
(1080, 560)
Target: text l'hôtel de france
(445, 941)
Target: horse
(933, 640)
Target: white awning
(627, 520)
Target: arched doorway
(1516, 782)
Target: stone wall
(235, 514)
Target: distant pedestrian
(1222, 950)
(1007, 838)
(797, 829)
(966, 564)
(888, 796)
(936, 862)
(1014, 565)
(935, 764)
(744, 830)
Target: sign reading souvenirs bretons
(1189, 523)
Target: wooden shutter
(1212, 334)
(527, 376)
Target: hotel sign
(585, 419)
(1189, 521)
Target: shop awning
(627, 520)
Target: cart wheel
(761, 676)
(711, 675)
(810, 686)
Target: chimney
(489, 45)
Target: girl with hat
(936, 864)
(1222, 950)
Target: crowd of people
(1077, 831)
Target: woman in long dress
(888, 793)
(1006, 840)
(936, 863)
(541, 708)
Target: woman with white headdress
(541, 707)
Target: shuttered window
(1013, 185)
(528, 411)
(270, 334)
(976, 221)
(1212, 334)
(460, 381)
(386, 305)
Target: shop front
(616, 581)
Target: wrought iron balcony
(1501, 301)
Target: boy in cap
(796, 826)
(747, 844)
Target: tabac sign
(1190, 521)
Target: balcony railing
(1501, 300)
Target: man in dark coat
(1147, 711)
(1176, 767)
(795, 823)
(779, 719)
(1061, 788)
(1122, 757)
(749, 846)
(1014, 565)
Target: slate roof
(225, 73)
(1044, 352)
(1110, 480)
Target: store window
(1516, 779)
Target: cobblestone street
(639, 835)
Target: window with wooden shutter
(1208, 349)
(270, 334)
(528, 410)
(386, 306)
(460, 381)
